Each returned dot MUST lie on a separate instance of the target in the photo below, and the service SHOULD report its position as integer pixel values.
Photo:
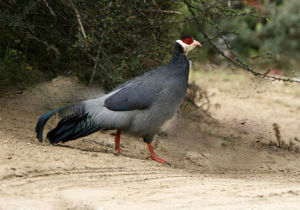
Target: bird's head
(188, 43)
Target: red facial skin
(188, 40)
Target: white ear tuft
(184, 45)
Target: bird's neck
(179, 55)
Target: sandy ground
(226, 158)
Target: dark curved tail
(42, 122)
(75, 122)
(73, 127)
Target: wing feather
(131, 97)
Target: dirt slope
(222, 160)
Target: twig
(96, 60)
(236, 61)
(93, 59)
(78, 18)
(229, 3)
(280, 142)
(267, 72)
(50, 9)
(154, 2)
(88, 54)
(95, 66)
(161, 11)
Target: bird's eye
(188, 41)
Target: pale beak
(197, 43)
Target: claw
(157, 159)
(154, 157)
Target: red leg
(117, 141)
(153, 156)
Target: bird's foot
(157, 159)
(116, 153)
(118, 150)
(154, 157)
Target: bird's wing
(138, 93)
(136, 96)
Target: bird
(138, 107)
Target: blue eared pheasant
(138, 107)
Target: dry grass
(251, 105)
(281, 143)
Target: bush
(122, 35)
(280, 35)
(14, 74)
(271, 34)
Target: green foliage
(126, 37)
(221, 22)
(271, 34)
(280, 35)
(15, 74)
(274, 37)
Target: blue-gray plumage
(138, 107)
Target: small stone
(20, 173)
(9, 157)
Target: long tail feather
(73, 128)
(75, 122)
(42, 122)
(69, 115)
